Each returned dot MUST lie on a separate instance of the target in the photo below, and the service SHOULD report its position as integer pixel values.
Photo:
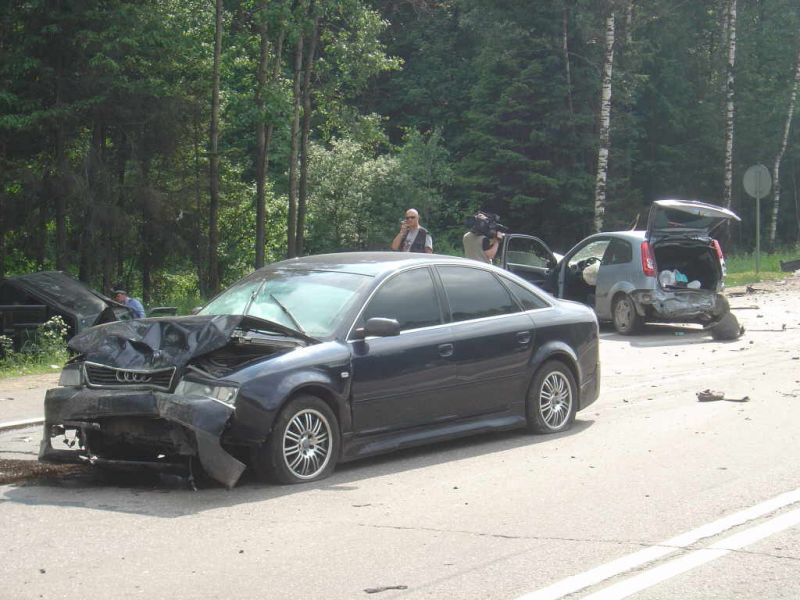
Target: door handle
(445, 350)
(524, 338)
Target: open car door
(528, 257)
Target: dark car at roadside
(324, 359)
(27, 301)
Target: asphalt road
(652, 495)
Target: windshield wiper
(288, 313)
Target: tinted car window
(408, 297)
(527, 298)
(475, 293)
(618, 253)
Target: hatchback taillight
(718, 248)
(648, 260)
(721, 257)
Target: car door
(406, 380)
(492, 337)
(616, 268)
(528, 257)
(574, 281)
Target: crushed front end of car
(123, 402)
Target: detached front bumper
(682, 305)
(167, 425)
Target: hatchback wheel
(626, 320)
(552, 399)
(303, 445)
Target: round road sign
(757, 181)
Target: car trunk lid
(684, 218)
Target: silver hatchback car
(671, 272)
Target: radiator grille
(103, 376)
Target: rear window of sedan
(475, 293)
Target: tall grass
(742, 267)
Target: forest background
(172, 146)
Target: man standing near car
(122, 297)
(412, 237)
(480, 247)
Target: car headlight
(71, 376)
(222, 393)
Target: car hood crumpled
(163, 342)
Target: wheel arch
(562, 353)
(325, 394)
(619, 288)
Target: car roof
(633, 235)
(365, 263)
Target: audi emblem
(132, 377)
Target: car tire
(624, 316)
(303, 446)
(552, 399)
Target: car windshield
(312, 302)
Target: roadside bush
(44, 350)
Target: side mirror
(195, 310)
(378, 327)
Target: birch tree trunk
(213, 205)
(291, 226)
(303, 195)
(776, 169)
(727, 191)
(605, 126)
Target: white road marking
(627, 563)
(697, 558)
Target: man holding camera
(482, 241)
(412, 237)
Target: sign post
(757, 183)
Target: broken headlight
(222, 393)
(71, 376)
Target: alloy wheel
(555, 400)
(307, 443)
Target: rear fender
(557, 350)
(605, 304)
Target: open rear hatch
(680, 235)
(684, 218)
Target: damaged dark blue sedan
(324, 359)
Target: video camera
(487, 224)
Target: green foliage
(741, 267)
(442, 106)
(44, 350)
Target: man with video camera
(483, 239)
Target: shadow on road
(170, 497)
(658, 334)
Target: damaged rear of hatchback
(686, 265)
